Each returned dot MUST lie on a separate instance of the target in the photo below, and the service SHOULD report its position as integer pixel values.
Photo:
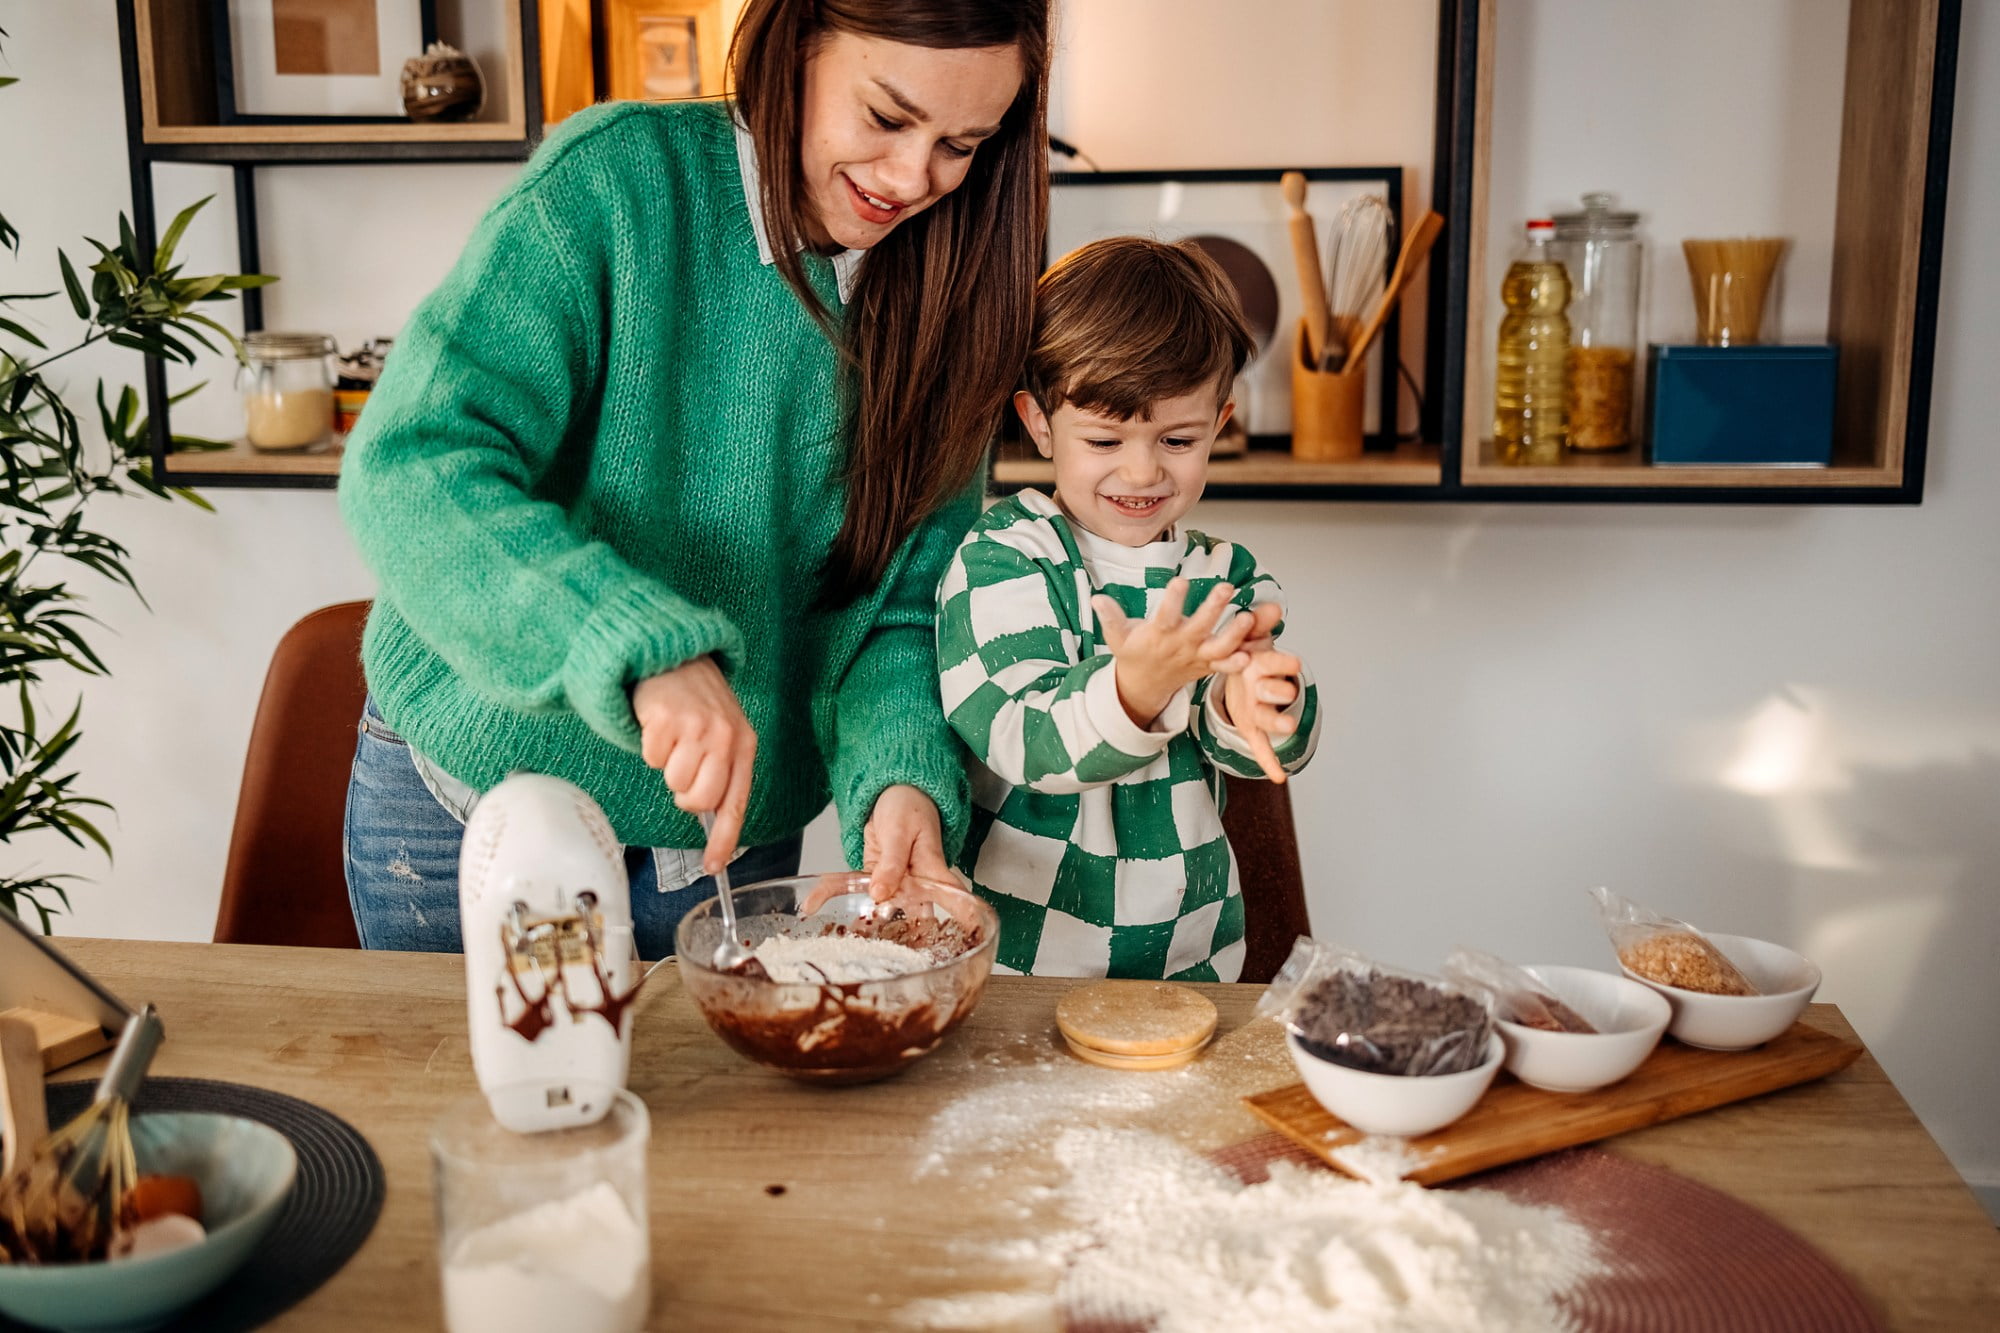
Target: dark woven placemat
(333, 1204)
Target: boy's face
(1128, 481)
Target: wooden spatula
(24, 1116)
(1305, 253)
(1416, 247)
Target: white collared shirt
(846, 264)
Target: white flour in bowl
(838, 959)
(577, 1264)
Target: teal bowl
(245, 1170)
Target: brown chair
(1258, 819)
(286, 879)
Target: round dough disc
(1171, 1060)
(1136, 1018)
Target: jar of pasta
(287, 385)
(1601, 249)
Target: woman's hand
(693, 730)
(903, 837)
(1168, 650)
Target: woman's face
(888, 129)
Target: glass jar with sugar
(287, 385)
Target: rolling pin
(1305, 253)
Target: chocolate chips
(1384, 1023)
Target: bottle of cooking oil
(1530, 418)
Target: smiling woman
(661, 480)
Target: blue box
(1760, 406)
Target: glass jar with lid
(287, 385)
(1601, 249)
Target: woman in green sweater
(660, 481)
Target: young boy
(1099, 740)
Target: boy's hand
(1168, 650)
(1252, 700)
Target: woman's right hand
(692, 729)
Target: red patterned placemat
(1684, 1258)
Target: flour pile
(1156, 1235)
(1182, 1242)
(838, 959)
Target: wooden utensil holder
(1327, 408)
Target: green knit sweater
(611, 442)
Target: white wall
(1780, 720)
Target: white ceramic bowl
(1738, 1022)
(1629, 1019)
(1399, 1104)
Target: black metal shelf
(1452, 175)
(243, 158)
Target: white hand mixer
(545, 913)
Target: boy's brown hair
(1124, 322)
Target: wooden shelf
(1630, 468)
(342, 152)
(1263, 471)
(1894, 145)
(240, 460)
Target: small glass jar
(1604, 256)
(287, 384)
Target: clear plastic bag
(1348, 1009)
(1518, 996)
(1666, 950)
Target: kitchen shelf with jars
(1590, 408)
(1721, 416)
(223, 82)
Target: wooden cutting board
(1513, 1121)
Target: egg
(158, 1235)
(156, 1196)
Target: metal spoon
(730, 955)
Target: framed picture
(284, 62)
(661, 50)
(1241, 220)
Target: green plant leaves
(49, 472)
(76, 297)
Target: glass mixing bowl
(841, 1032)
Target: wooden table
(868, 1221)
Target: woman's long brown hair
(936, 332)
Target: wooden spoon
(1305, 253)
(24, 1115)
(1416, 247)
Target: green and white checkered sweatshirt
(1098, 842)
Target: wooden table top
(927, 1192)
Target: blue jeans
(405, 820)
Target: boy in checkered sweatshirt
(1105, 665)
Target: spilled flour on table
(1094, 1203)
(996, 1130)
(1380, 1159)
(1163, 1237)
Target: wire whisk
(1357, 267)
(62, 1204)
